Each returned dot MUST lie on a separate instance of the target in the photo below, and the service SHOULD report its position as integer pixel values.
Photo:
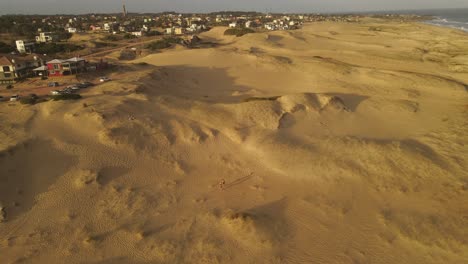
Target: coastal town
(40, 52)
(238, 132)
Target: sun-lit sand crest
(337, 144)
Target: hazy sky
(101, 6)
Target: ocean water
(454, 18)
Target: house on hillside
(95, 27)
(169, 30)
(179, 31)
(15, 67)
(66, 67)
(24, 47)
(136, 33)
(46, 37)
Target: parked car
(104, 79)
(85, 84)
(55, 92)
(67, 91)
(14, 98)
(53, 84)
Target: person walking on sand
(222, 183)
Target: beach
(337, 143)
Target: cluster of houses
(280, 23)
(139, 26)
(24, 46)
(18, 67)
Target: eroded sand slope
(338, 143)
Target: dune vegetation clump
(163, 43)
(238, 32)
(66, 97)
(28, 100)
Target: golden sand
(338, 143)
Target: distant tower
(124, 11)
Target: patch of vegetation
(272, 98)
(104, 44)
(282, 59)
(112, 38)
(53, 48)
(153, 33)
(156, 45)
(127, 55)
(66, 97)
(28, 100)
(129, 36)
(375, 29)
(173, 40)
(5, 48)
(238, 32)
(163, 43)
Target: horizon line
(240, 11)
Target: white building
(71, 30)
(169, 31)
(179, 31)
(45, 37)
(136, 33)
(233, 25)
(24, 47)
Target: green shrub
(251, 99)
(129, 36)
(156, 45)
(27, 100)
(127, 55)
(52, 48)
(5, 48)
(173, 40)
(104, 44)
(112, 38)
(164, 43)
(153, 33)
(238, 32)
(66, 97)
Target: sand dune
(338, 143)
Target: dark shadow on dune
(270, 218)
(425, 151)
(27, 170)
(108, 174)
(194, 83)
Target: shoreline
(432, 23)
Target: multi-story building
(24, 47)
(13, 67)
(66, 67)
(46, 37)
